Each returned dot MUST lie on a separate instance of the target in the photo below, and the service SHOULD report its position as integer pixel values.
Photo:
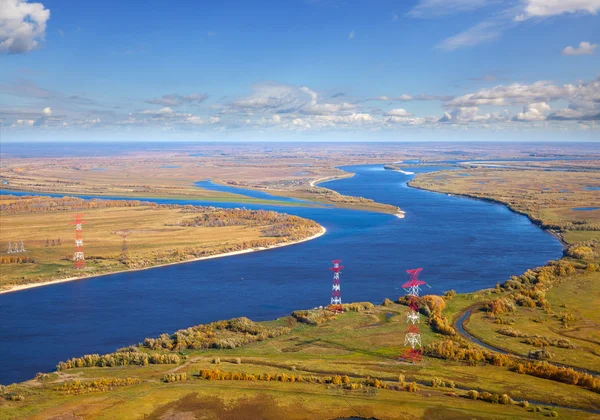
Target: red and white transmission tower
(412, 335)
(78, 257)
(336, 294)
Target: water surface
(462, 244)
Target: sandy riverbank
(227, 254)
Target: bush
(174, 377)
(472, 394)
(216, 361)
(412, 387)
(102, 384)
(313, 316)
(559, 374)
(449, 294)
(387, 302)
(119, 358)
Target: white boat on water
(405, 172)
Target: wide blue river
(461, 244)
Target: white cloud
(177, 100)
(511, 15)
(547, 8)
(22, 25)
(484, 31)
(542, 91)
(351, 35)
(286, 99)
(534, 112)
(47, 111)
(407, 98)
(464, 115)
(428, 8)
(161, 112)
(398, 112)
(585, 48)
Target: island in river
(129, 235)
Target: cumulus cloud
(47, 111)
(464, 115)
(585, 48)
(398, 112)
(542, 91)
(285, 99)
(177, 100)
(547, 8)
(533, 112)
(407, 98)
(22, 25)
(351, 35)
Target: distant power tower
(125, 246)
(412, 336)
(336, 294)
(78, 256)
(15, 247)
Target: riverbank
(549, 199)
(17, 288)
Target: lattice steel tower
(79, 257)
(412, 335)
(336, 294)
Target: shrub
(313, 316)
(511, 332)
(499, 306)
(472, 394)
(449, 294)
(387, 302)
(412, 387)
(174, 377)
(436, 304)
(102, 384)
(559, 374)
(216, 361)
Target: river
(462, 244)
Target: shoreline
(18, 288)
(492, 200)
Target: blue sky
(300, 70)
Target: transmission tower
(412, 336)
(9, 251)
(78, 257)
(22, 248)
(336, 294)
(125, 247)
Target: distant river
(462, 244)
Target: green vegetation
(300, 364)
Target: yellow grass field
(155, 235)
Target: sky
(300, 70)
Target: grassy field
(155, 235)
(547, 197)
(578, 295)
(357, 344)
